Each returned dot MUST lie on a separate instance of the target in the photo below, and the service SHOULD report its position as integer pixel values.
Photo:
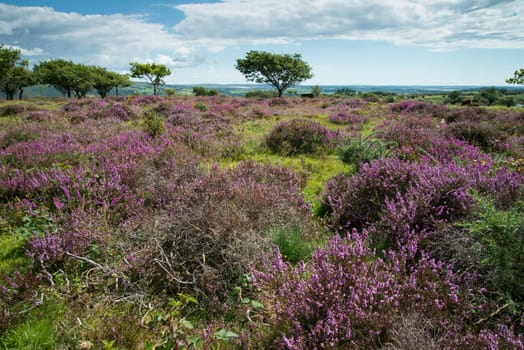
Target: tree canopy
(153, 72)
(105, 80)
(14, 72)
(58, 73)
(279, 70)
(518, 77)
(80, 79)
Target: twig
(94, 263)
(37, 303)
(493, 314)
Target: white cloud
(111, 41)
(437, 24)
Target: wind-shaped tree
(279, 70)
(153, 72)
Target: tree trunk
(20, 93)
(280, 91)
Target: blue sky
(350, 42)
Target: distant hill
(142, 88)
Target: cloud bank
(114, 40)
(436, 24)
(110, 41)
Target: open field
(148, 222)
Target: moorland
(183, 222)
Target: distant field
(141, 88)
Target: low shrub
(348, 297)
(12, 109)
(163, 108)
(206, 229)
(154, 124)
(294, 245)
(298, 136)
(403, 198)
(202, 91)
(498, 245)
(343, 199)
(483, 135)
(359, 150)
(40, 116)
(262, 94)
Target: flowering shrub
(419, 108)
(12, 109)
(347, 297)
(403, 196)
(39, 116)
(483, 135)
(208, 228)
(115, 215)
(298, 136)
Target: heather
(214, 222)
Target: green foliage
(153, 72)
(202, 91)
(279, 70)
(260, 94)
(453, 97)
(31, 335)
(104, 80)
(65, 76)
(345, 92)
(359, 150)
(488, 96)
(14, 74)
(176, 329)
(201, 106)
(80, 79)
(154, 124)
(170, 92)
(518, 77)
(498, 239)
(316, 91)
(293, 246)
(37, 330)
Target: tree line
(278, 70)
(72, 79)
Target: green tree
(518, 77)
(151, 71)
(488, 96)
(316, 90)
(14, 74)
(58, 73)
(82, 80)
(453, 97)
(122, 81)
(105, 80)
(202, 91)
(279, 70)
(16, 79)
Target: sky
(346, 42)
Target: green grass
(11, 254)
(37, 330)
